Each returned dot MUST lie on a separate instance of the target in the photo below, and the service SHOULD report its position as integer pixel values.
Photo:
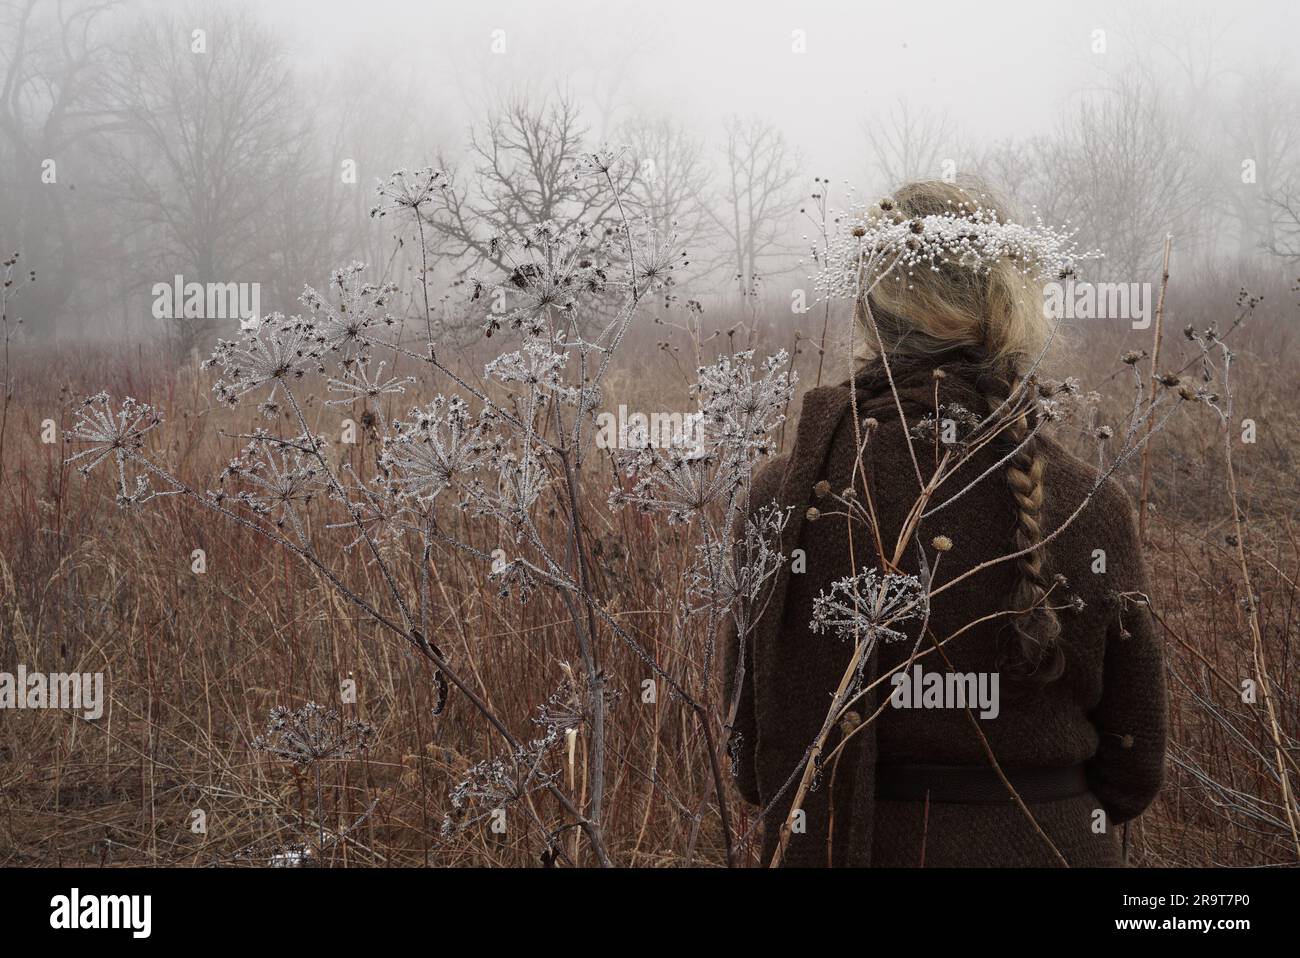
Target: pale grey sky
(1000, 69)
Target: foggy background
(126, 158)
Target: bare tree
(610, 71)
(1123, 170)
(1261, 131)
(908, 143)
(1191, 40)
(1284, 209)
(760, 191)
(47, 59)
(526, 159)
(1014, 167)
(211, 142)
(671, 180)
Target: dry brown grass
(193, 663)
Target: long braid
(1033, 636)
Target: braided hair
(1031, 647)
(992, 320)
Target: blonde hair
(994, 309)
(992, 312)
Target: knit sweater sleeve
(1131, 719)
(738, 656)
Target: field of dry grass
(194, 663)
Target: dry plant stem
(699, 708)
(863, 647)
(715, 769)
(1252, 612)
(1227, 683)
(893, 389)
(8, 382)
(993, 759)
(809, 762)
(986, 473)
(566, 587)
(586, 637)
(1155, 371)
(821, 344)
(361, 527)
(586, 645)
(554, 577)
(917, 654)
(424, 279)
(421, 645)
(626, 320)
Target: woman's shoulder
(1108, 518)
(1073, 475)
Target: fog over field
(1072, 108)
(522, 434)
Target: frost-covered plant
(311, 734)
(511, 455)
(352, 308)
(720, 581)
(435, 447)
(308, 737)
(868, 606)
(274, 479)
(488, 787)
(356, 382)
(276, 352)
(117, 433)
(505, 451)
(407, 192)
(741, 406)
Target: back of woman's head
(991, 311)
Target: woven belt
(976, 784)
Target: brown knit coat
(1108, 710)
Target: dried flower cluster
(869, 606)
(312, 734)
(741, 405)
(116, 433)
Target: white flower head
(868, 605)
(599, 162)
(279, 350)
(538, 365)
(114, 433)
(353, 307)
(742, 404)
(409, 191)
(652, 255)
(872, 242)
(440, 446)
(312, 734)
(275, 476)
(551, 267)
(357, 382)
(729, 575)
